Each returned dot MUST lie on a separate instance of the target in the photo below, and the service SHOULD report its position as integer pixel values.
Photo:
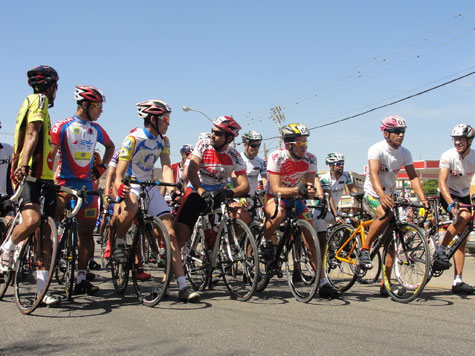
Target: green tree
(430, 187)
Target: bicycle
(148, 248)
(231, 248)
(36, 253)
(290, 251)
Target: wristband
(449, 208)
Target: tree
(430, 187)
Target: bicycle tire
(409, 273)
(341, 274)
(264, 279)
(156, 255)
(26, 297)
(239, 261)
(297, 265)
(71, 259)
(119, 271)
(7, 276)
(196, 261)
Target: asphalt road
(272, 323)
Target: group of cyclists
(214, 172)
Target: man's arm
(242, 188)
(167, 172)
(31, 140)
(193, 168)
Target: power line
(388, 104)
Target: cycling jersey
(291, 170)
(115, 158)
(255, 167)
(391, 161)
(6, 152)
(216, 167)
(142, 150)
(77, 139)
(461, 171)
(177, 169)
(336, 186)
(34, 109)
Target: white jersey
(335, 186)
(391, 160)
(461, 171)
(254, 168)
(6, 152)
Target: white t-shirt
(461, 171)
(335, 186)
(254, 168)
(391, 160)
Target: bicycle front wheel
(35, 267)
(303, 275)
(196, 260)
(406, 263)
(239, 261)
(7, 275)
(70, 259)
(340, 257)
(152, 268)
(120, 271)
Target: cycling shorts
(191, 208)
(321, 224)
(155, 203)
(302, 211)
(370, 204)
(31, 194)
(89, 209)
(463, 200)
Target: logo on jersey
(90, 213)
(76, 130)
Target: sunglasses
(254, 145)
(165, 119)
(299, 143)
(217, 133)
(397, 131)
(339, 163)
(97, 105)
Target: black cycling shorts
(31, 194)
(463, 200)
(189, 211)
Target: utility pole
(277, 117)
(265, 152)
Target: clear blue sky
(320, 61)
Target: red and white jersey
(76, 140)
(291, 170)
(216, 167)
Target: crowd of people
(213, 170)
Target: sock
(41, 277)
(81, 276)
(181, 282)
(9, 245)
(457, 280)
(323, 281)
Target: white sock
(323, 281)
(181, 282)
(457, 280)
(9, 245)
(81, 276)
(41, 277)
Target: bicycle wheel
(120, 271)
(7, 275)
(196, 261)
(239, 261)
(303, 279)
(70, 258)
(340, 268)
(104, 239)
(408, 275)
(152, 250)
(264, 278)
(31, 263)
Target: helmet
(463, 130)
(186, 149)
(41, 76)
(393, 122)
(204, 136)
(251, 136)
(291, 131)
(334, 157)
(88, 93)
(228, 124)
(150, 108)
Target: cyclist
(385, 159)
(457, 166)
(333, 182)
(138, 154)
(178, 167)
(32, 155)
(75, 139)
(292, 172)
(211, 164)
(256, 166)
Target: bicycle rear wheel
(302, 277)
(70, 259)
(410, 270)
(340, 268)
(151, 275)
(239, 261)
(120, 271)
(31, 263)
(196, 261)
(264, 277)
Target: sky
(319, 61)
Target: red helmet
(149, 108)
(393, 122)
(41, 76)
(228, 124)
(88, 93)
